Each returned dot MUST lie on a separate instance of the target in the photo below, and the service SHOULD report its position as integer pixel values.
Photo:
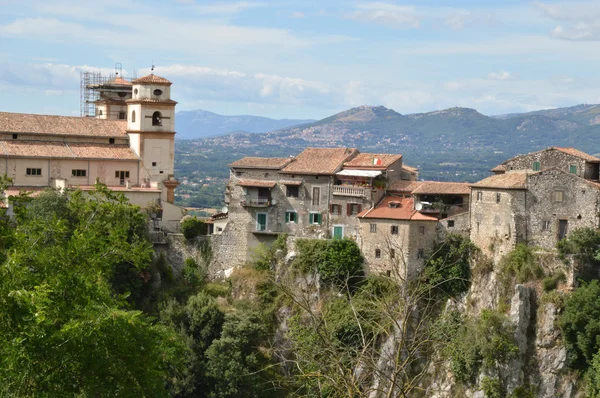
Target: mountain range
(200, 123)
(455, 144)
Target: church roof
(62, 150)
(152, 79)
(28, 123)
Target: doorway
(562, 229)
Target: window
(15, 136)
(135, 92)
(558, 196)
(421, 230)
(79, 173)
(121, 174)
(373, 228)
(450, 223)
(122, 115)
(291, 217)
(353, 209)
(336, 210)
(497, 197)
(33, 172)
(573, 169)
(122, 94)
(420, 254)
(479, 196)
(153, 164)
(111, 140)
(394, 230)
(132, 116)
(377, 253)
(156, 119)
(546, 226)
(314, 218)
(316, 193)
(537, 166)
(392, 253)
(291, 191)
(157, 92)
(261, 221)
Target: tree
(584, 245)
(580, 325)
(63, 328)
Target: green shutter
(536, 166)
(319, 218)
(287, 216)
(573, 169)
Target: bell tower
(151, 130)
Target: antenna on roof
(152, 69)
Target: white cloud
(401, 17)
(500, 76)
(297, 14)
(580, 20)
(227, 8)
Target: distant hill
(456, 144)
(200, 124)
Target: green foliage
(216, 289)
(342, 263)
(192, 227)
(580, 325)
(524, 392)
(234, 366)
(193, 274)
(265, 258)
(551, 282)
(584, 245)
(522, 264)
(338, 261)
(448, 269)
(480, 344)
(64, 329)
(593, 378)
(492, 387)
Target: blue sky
(307, 59)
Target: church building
(129, 145)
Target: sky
(307, 58)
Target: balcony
(356, 192)
(249, 201)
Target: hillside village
(378, 201)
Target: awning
(288, 182)
(359, 173)
(256, 183)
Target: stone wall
(552, 158)
(459, 224)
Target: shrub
(522, 264)
(492, 387)
(192, 227)
(217, 289)
(311, 252)
(342, 262)
(550, 283)
(448, 269)
(580, 325)
(584, 245)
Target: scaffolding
(93, 84)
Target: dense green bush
(492, 387)
(192, 227)
(338, 261)
(522, 264)
(448, 269)
(580, 324)
(481, 343)
(551, 282)
(584, 245)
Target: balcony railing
(349, 191)
(255, 202)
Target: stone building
(536, 207)
(134, 156)
(317, 194)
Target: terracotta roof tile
(514, 180)
(403, 186)
(380, 161)
(405, 211)
(32, 190)
(45, 149)
(117, 188)
(320, 161)
(410, 168)
(61, 125)
(499, 168)
(577, 153)
(261, 163)
(442, 188)
(120, 81)
(152, 79)
(256, 183)
(150, 101)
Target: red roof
(319, 161)
(256, 183)
(404, 210)
(152, 79)
(377, 161)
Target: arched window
(100, 112)
(132, 116)
(156, 119)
